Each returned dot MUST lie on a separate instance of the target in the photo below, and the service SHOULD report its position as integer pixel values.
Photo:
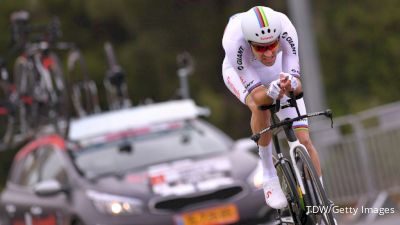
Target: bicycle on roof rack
(38, 76)
(114, 82)
(83, 90)
(298, 177)
(8, 108)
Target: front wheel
(293, 194)
(315, 193)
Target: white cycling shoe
(274, 195)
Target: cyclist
(261, 65)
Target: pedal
(287, 219)
(281, 222)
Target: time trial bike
(299, 179)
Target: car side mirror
(245, 144)
(48, 188)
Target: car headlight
(114, 204)
(256, 177)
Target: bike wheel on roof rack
(58, 107)
(25, 83)
(6, 118)
(83, 91)
(114, 82)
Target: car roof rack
(136, 117)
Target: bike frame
(45, 77)
(293, 142)
(115, 82)
(291, 138)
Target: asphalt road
(390, 220)
(386, 220)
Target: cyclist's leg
(259, 119)
(274, 195)
(301, 131)
(304, 138)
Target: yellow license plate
(212, 216)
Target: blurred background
(357, 47)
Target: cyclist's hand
(288, 82)
(274, 91)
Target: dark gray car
(183, 172)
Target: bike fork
(292, 146)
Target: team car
(158, 164)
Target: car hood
(186, 177)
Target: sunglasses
(264, 48)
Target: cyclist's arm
(239, 54)
(290, 57)
(285, 84)
(299, 88)
(289, 46)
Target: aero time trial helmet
(261, 24)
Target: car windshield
(192, 140)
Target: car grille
(176, 204)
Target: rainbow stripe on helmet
(262, 19)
